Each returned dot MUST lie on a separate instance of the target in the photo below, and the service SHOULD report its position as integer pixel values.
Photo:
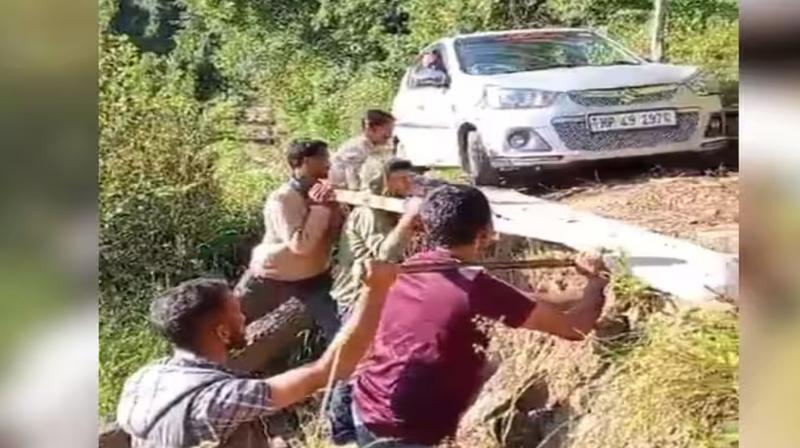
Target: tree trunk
(659, 23)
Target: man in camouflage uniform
(374, 234)
(371, 148)
(369, 234)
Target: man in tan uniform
(301, 223)
(366, 152)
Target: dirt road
(689, 204)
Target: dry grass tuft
(677, 387)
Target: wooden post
(659, 23)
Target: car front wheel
(476, 162)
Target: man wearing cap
(374, 234)
(369, 234)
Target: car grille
(576, 135)
(623, 97)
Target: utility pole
(659, 23)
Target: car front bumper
(554, 159)
(570, 139)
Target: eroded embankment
(652, 375)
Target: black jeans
(343, 430)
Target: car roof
(523, 31)
(526, 31)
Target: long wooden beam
(683, 269)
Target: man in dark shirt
(423, 370)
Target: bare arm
(351, 343)
(552, 314)
(574, 323)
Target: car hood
(585, 78)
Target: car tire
(727, 157)
(476, 162)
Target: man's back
(185, 400)
(426, 362)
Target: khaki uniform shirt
(297, 238)
(352, 157)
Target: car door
(426, 119)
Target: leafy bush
(171, 207)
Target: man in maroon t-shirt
(426, 364)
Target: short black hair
(376, 117)
(301, 148)
(454, 214)
(397, 164)
(176, 312)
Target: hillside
(181, 184)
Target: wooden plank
(370, 200)
(683, 269)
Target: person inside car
(430, 71)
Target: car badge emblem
(629, 96)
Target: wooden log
(365, 198)
(272, 336)
(683, 269)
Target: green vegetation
(677, 387)
(180, 196)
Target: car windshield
(524, 52)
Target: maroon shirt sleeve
(496, 299)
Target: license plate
(632, 120)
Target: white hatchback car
(513, 101)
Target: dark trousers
(261, 295)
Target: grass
(125, 345)
(126, 340)
(678, 386)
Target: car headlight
(703, 84)
(503, 98)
